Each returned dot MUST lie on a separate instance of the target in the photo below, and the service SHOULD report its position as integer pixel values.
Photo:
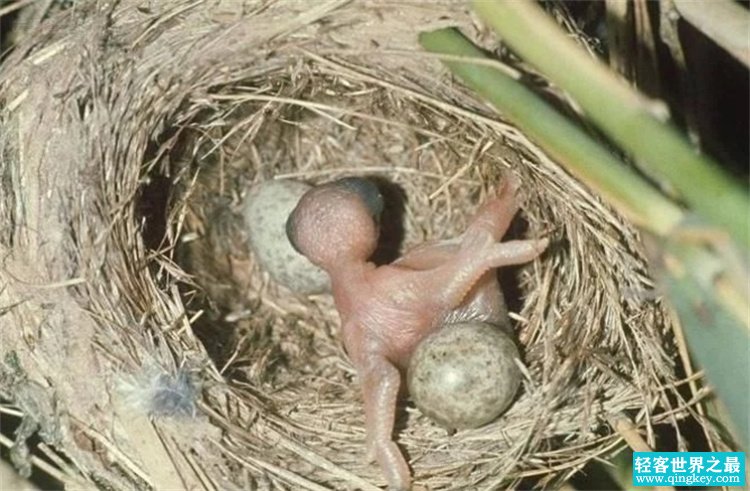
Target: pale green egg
(265, 211)
(464, 375)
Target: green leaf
(563, 140)
(718, 340)
(625, 115)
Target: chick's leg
(483, 303)
(495, 214)
(477, 254)
(493, 217)
(479, 251)
(380, 384)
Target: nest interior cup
(134, 157)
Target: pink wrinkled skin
(386, 311)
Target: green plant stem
(564, 141)
(718, 340)
(723, 21)
(627, 117)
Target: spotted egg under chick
(464, 375)
(266, 210)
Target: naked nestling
(387, 310)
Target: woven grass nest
(131, 133)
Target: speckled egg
(464, 375)
(266, 209)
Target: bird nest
(150, 350)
